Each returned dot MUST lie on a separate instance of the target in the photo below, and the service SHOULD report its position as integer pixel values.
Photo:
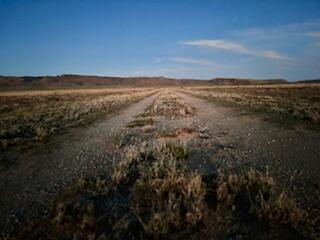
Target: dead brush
(148, 129)
(41, 133)
(169, 200)
(75, 209)
(94, 210)
(172, 150)
(141, 123)
(255, 194)
(127, 169)
(136, 159)
(171, 106)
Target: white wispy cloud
(279, 32)
(192, 61)
(237, 48)
(271, 54)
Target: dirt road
(215, 136)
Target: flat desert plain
(211, 162)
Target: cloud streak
(280, 32)
(192, 61)
(236, 47)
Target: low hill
(84, 81)
(70, 81)
(309, 81)
(240, 81)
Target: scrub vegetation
(287, 102)
(27, 117)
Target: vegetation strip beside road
(32, 116)
(290, 104)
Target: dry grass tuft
(141, 122)
(78, 209)
(148, 129)
(169, 201)
(171, 106)
(255, 194)
(181, 134)
(137, 159)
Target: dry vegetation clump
(94, 210)
(290, 102)
(31, 117)
(171, 106)
(152, 195)
(148, 129)
(141, 122)
(177, 133)
(254, 196)
(138, 159)
(170, 201)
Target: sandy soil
(216, 136)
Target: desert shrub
(137, 159)
(171, 106)
(148, 129)
(92, 209)
(255, 194)
(41, 133)
(166, 198)
(170, 203)
(128, 169)
(76, 210)
(141, 122)
(172, 150)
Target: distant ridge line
(72, 80)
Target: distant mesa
(69, 81)
(309, 81)
(240, 81)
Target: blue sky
(175, 38)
